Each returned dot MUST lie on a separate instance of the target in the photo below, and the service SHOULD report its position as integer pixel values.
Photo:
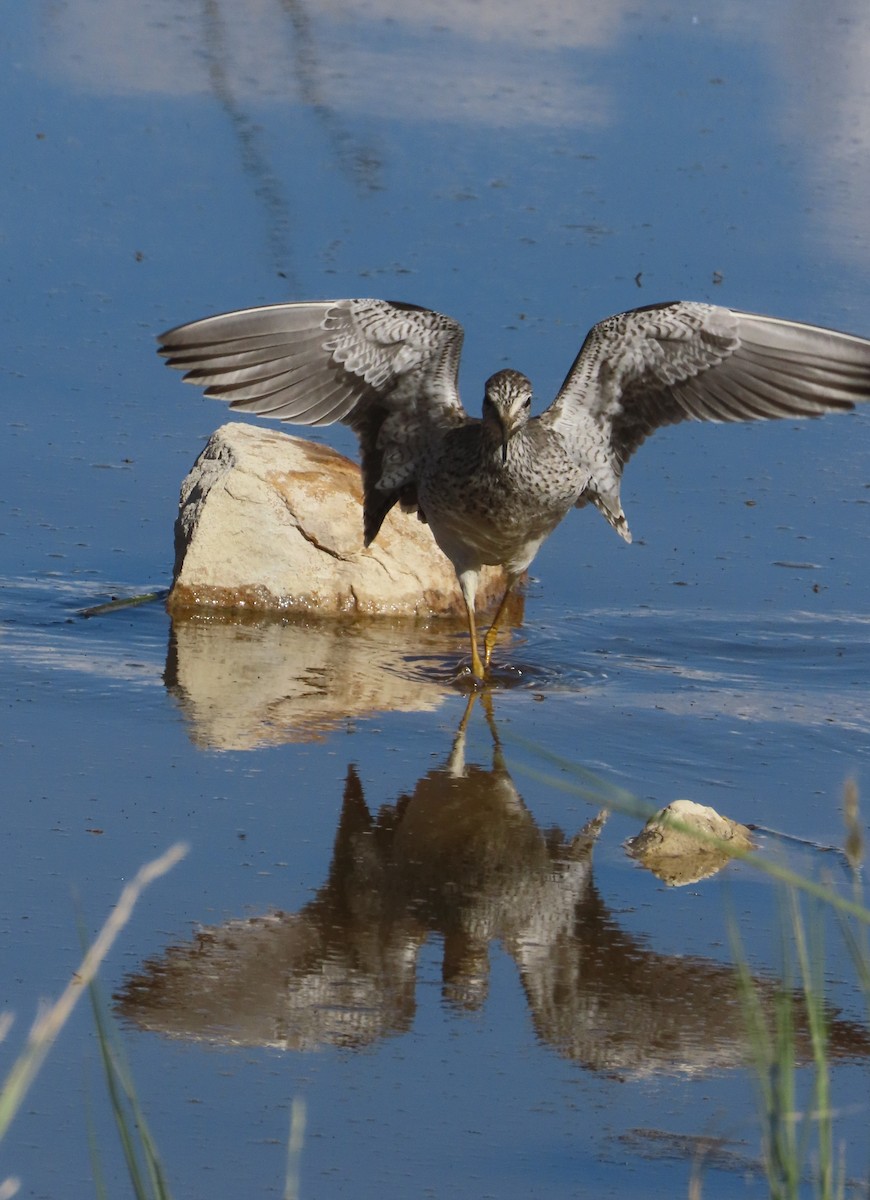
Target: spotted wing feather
(387, 370)
(656, 366)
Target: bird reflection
(460, 858)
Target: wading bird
(492, 489)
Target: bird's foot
(466, 679)
(488, 646)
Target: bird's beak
(507, 432)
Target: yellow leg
(476, 665)
(466, 716)
(492, 632)
(490, 716)
(468, 587)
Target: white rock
(676, 843)
(272, 522)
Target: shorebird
(492, 489)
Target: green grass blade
(50, 1021)
(96, 1162)
(135, 1136)
(122, 1122)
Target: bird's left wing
(684, 361)
(387, 370)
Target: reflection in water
(249, 134)
(462, 859)
(252, 683)
(419, 61)
(429, 67)
(359, 162)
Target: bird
(493, 488)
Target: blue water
(528, 174)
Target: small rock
(678, 855)
(270, 522)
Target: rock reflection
(245, 683)
(461, 858)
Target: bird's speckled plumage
(494, 488)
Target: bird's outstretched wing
(685, 361)
(387, 370)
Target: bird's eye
(527, 403)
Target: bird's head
(507, 405)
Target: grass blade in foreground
(48, 1024)
(129, 1117)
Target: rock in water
(270, 522)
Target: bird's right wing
(388, 370)
(684, 361)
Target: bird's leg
(468, 587)
(492, 632)
(476, 665)
(466, 716)
(456, 762)
(498, 763)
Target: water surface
(468, 1002)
